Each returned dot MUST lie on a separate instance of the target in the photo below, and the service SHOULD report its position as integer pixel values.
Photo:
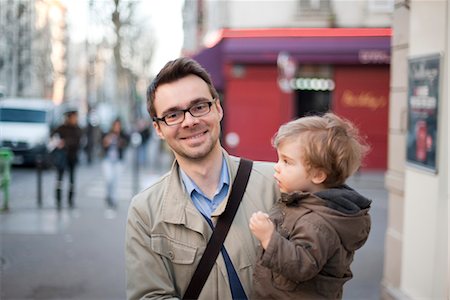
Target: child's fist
(262, 227)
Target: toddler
(310, 237)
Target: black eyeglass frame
(184, 111)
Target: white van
(25, 127)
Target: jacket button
(171, 255)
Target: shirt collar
(190, 185)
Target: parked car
(25, 127)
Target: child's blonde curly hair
(328, 143)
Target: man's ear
(158, 130)
(219, 108)
(319, 177)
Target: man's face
(73, 119)
(195, 137)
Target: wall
(362, 95)
(357, 13)
(252, 92)
(240, 14)
(427, 22)
(416, 257)
(252, 95)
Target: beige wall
(448, 149)
(396, 159)
(289, 13)
(416, 258)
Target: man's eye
(173, 115)
(200, 107)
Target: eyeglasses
(177, 116)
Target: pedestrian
(308, 241)
(170, 223)
(114, 143)
(65, 154)
(145, 132)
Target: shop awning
(304, 45)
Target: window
(22, 115)
(381, 6)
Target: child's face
(290, 171)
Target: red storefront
(270, 76)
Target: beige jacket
(166, 237)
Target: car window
(22, 115)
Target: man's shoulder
(155, 189)
(264, 168)
(261, 169)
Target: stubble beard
(203, 151)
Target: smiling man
(170, 223)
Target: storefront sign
(312, 84)
(374, 56)
(286, 70)
(363, 99)
(423, 99)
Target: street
(79, 254)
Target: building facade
(271, 70)
(33, 41)
(416, 254)
(203, 19)
(271, 76)
(416, 262)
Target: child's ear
(319, 177)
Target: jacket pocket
(176, 251)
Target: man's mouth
(195, 136)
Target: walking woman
(114, 144)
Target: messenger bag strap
(220, 231)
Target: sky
(165, 16)
(168, 23)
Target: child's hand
(262, 227)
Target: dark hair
(173, 71)
(70, 112)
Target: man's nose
(189, 119)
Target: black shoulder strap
(220, 231)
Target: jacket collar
(177, 207)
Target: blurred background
(383, 64)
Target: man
(68, 136)
(167, 229)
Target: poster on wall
(423, 100)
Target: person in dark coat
(69, 137)
(308, 240)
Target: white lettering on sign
(423, 102)
(374, 57)
(312, 84)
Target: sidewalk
(368, 263)
(78, 254)
(69, 254)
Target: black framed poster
(423, 100)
